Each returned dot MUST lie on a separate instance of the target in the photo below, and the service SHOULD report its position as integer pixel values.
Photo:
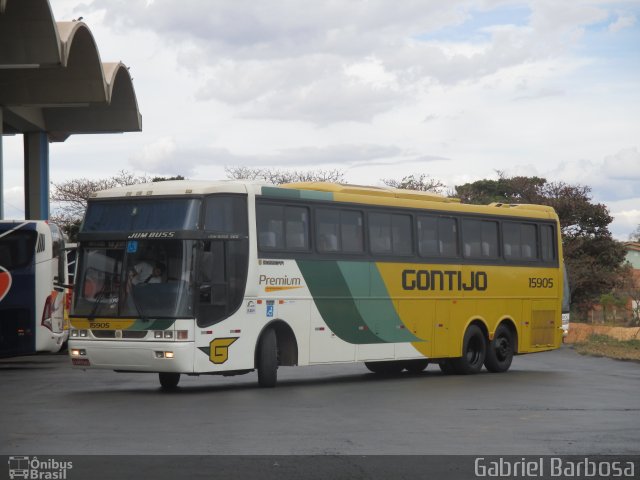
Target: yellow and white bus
(228, 277)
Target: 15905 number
(537, 282)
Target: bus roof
(370, 195)
(415, 199)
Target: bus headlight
(164, 355)
(74, 333)
(157, 334)
(78, 352)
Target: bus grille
(136, 334)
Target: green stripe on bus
(373, 302)
(335, 303)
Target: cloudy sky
(455, 89)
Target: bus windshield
(137, 278)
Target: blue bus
(33, 275)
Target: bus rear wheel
(384, 368)
(169, 380)
(474, 350)
(500, 351)
(267, 359)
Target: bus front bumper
(133, 356)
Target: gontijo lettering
(444, 280)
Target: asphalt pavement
(553, 403)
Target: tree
(278, 176)
(422, 183)
(635, 236)
(594, 260)
(71, 197)
(503, 190)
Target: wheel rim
(502, 348)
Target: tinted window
(328, 230)
(437, 236)
(480, 239)
(351, 231)
(390, 233)
(520, 241)
(547, 243)
(17, 249)
(339, 231)
(283, 227)
(141, 215)
(226, 214)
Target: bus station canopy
(52, 78)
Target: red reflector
(280, 302)
(319, 329)
(81, 362)
(259, 302)
(235, 331)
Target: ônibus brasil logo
(38, 469)
(5, 282)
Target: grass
(604, 346)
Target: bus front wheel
(500, 351)
(267, 359)
(169, 380)
(384, 368)
(415, 366)
(474, 350)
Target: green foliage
(166, 179)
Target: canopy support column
(36, 176)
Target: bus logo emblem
(219, 349)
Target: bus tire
(474, 351)
(384, 368)
(415, 366)
(446, 367)
(169, 380)
(500, 350)
(267, 360)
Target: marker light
(182, 334)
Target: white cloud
(623, 21)
(455, 90)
